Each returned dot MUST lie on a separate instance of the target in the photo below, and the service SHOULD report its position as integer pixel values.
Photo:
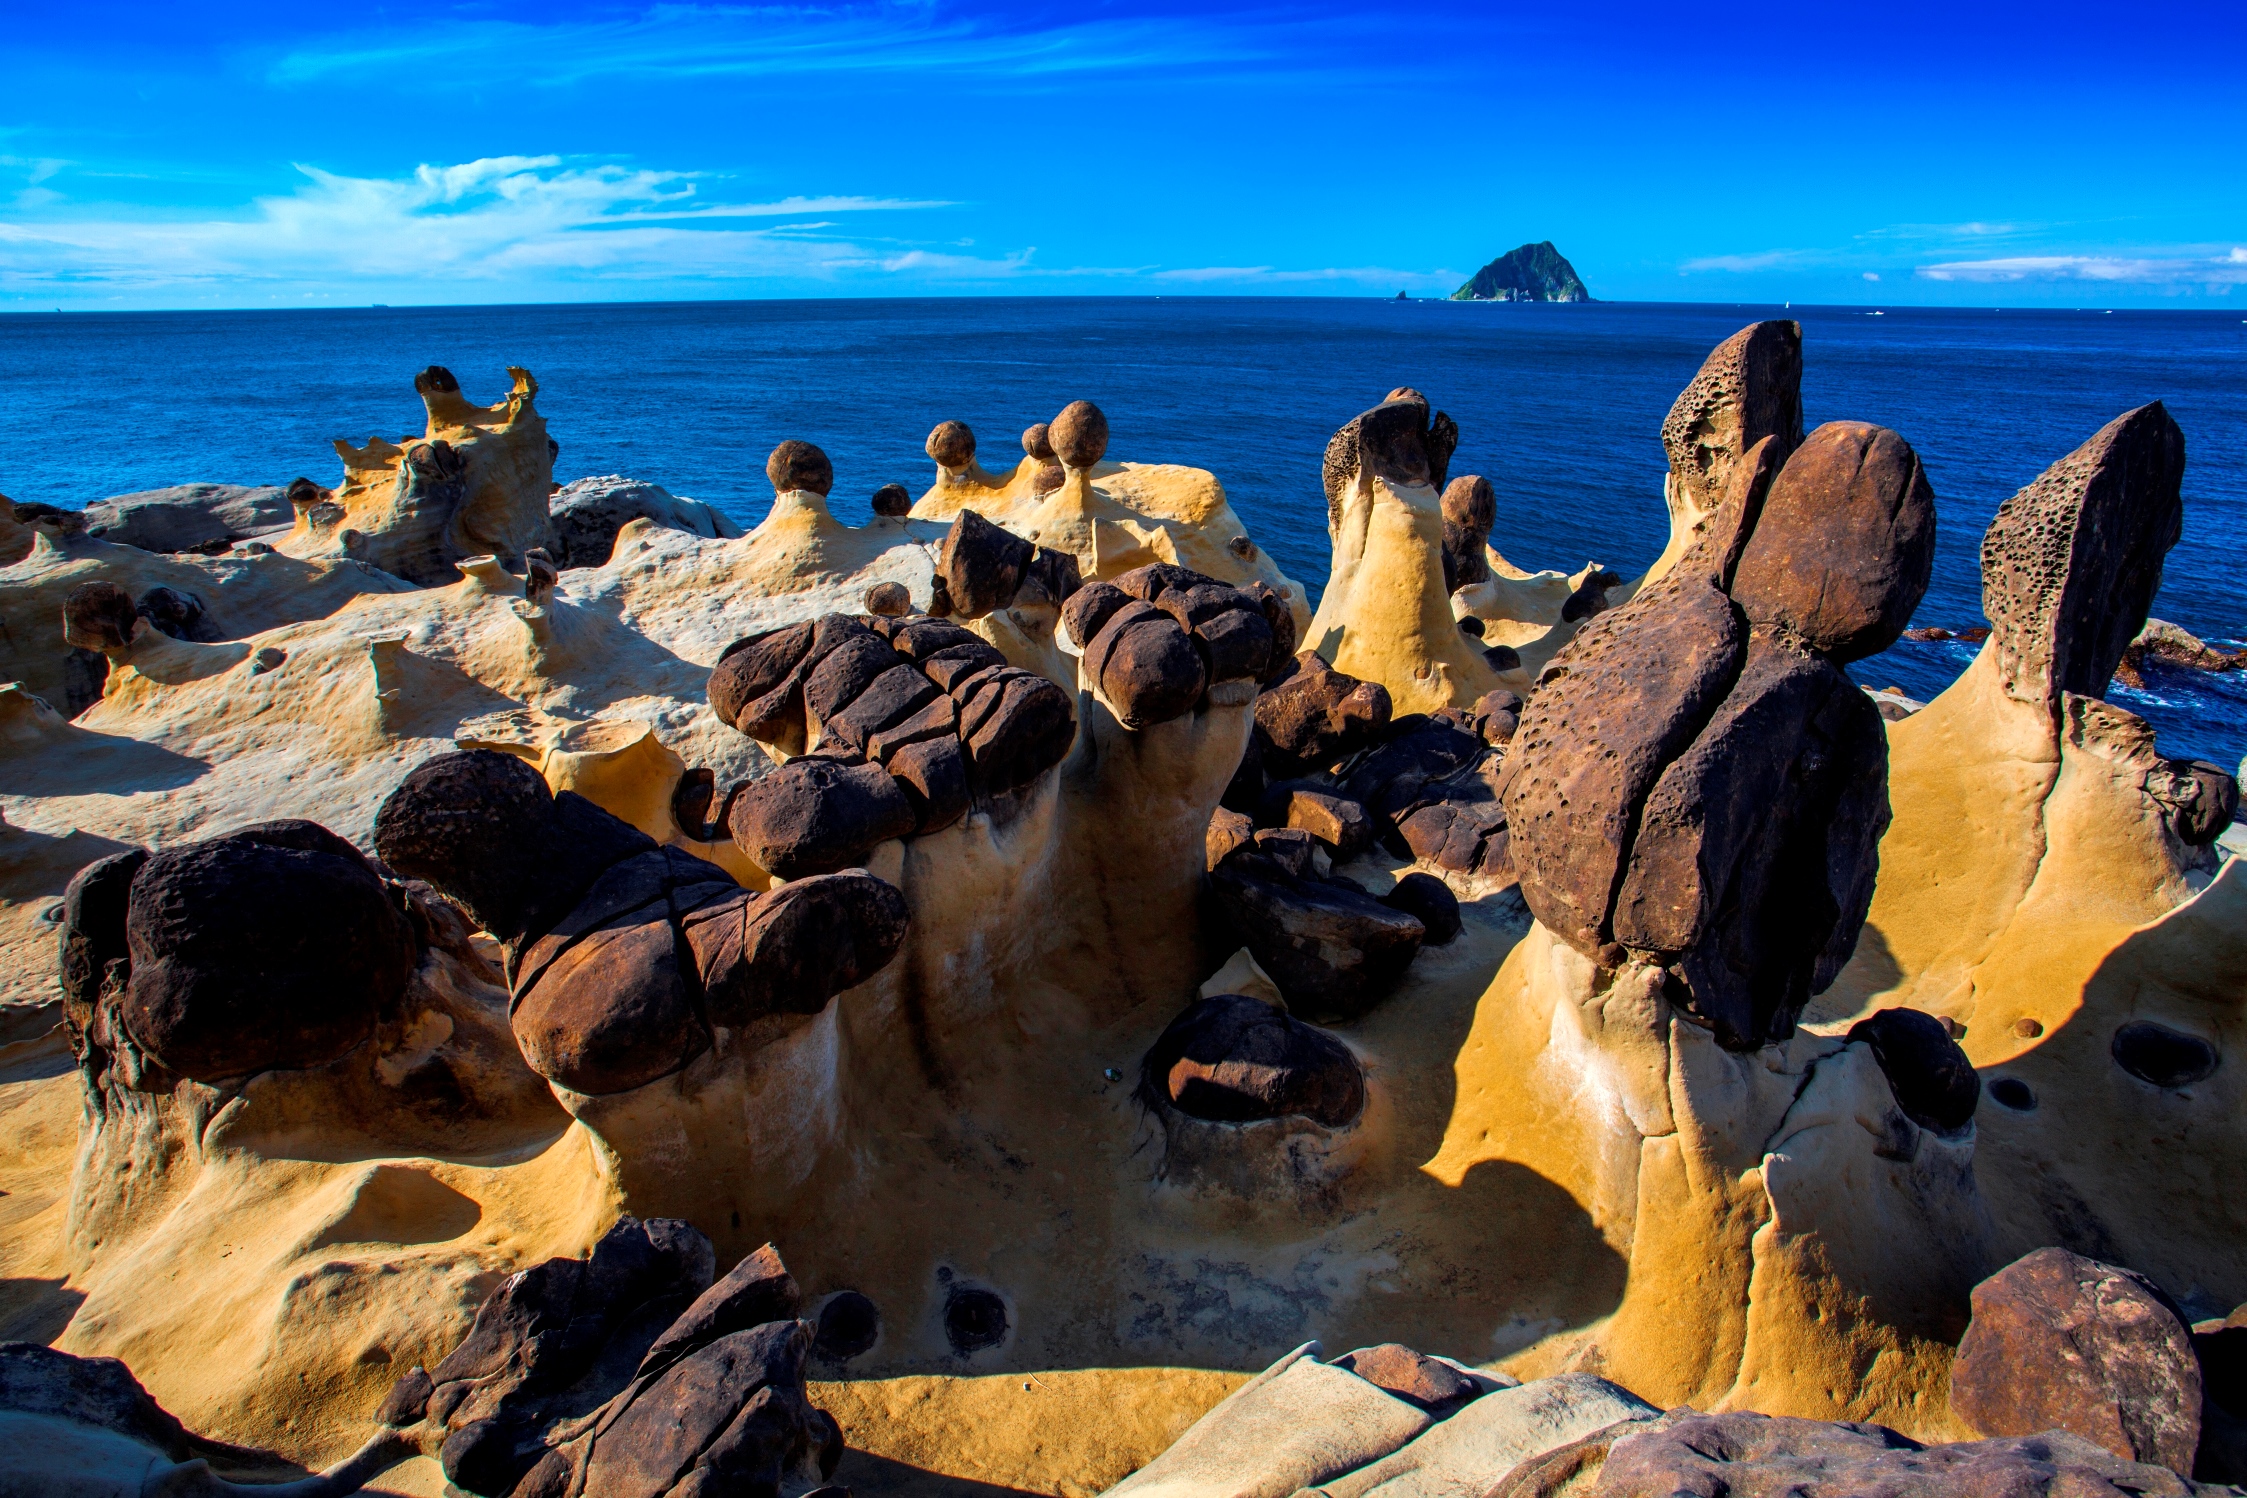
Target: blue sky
(263, 155)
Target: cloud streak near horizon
(160, 154)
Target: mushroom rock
(621, 985)
(1007, 858)
(1698, 783)
(475, 483)
(2044, 886)
(1748, 389)
(1386, 615)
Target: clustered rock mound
(1087, 963)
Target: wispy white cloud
(1760, 260)
(1372, 275)
(2219, 270)
(494, 219)
(706, 41)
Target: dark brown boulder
(761, 670)
(2209, 805)
(1752, 867)
(920, 639)
(982, 565)
(790, 951)
(1015, 725)
(889, 600)
(1749, 388)
(891, 698)
(98, 616)
(613, 1009)
(1146, 666)
(2070, 564)
(1227, 831)
(1416, 765)
(716, 1404)
(1079, 434)
(1429, 901)
(179, 615)
(799, 465)
(2061, 1342)
(94, 909)
(1590, 596)
(1622, 700)
(838, 677)
(951, 444)
(1495, 716)
(1434, 1386)
(1470, 506)
(1281, 620)
(1762, 1456)
(483, 829)
(1333, 949)
(932, 774)
(1844, 544)
(1233, 1059)
(1398, 441)
(1053, 578)
(1089, 609)
(893, 500)
(275, 946)
(1037, 441)
(1317, 715)
(1928, 1073)
(814, 816)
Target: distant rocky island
(1533, 273)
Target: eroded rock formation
(1085, 965)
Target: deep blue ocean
(1560, 406)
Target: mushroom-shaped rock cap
(1400, 441)
(483, 828)
(436, 380)
(892, 499)
(276, 946)
(799, 465)
(1845, 543)
(98, 616)
(1468, 500)
(951, 444)
(1037, 441)
(1749, 388)
(1079, 434)
(2071, 563)
(303, 493)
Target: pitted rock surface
(1695, 781)
(2071, 563)
(1749, 388)
(2062, 1342)
(1762, 1456)
(1398, 441)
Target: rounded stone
(1928, 1074)
(951, 444)
(890, 600)
(1037, 441)
(799, 465)
(892, 500)
(1236, 1059)
(1430, 901)
(1080, 434)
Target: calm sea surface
(1559, 405)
